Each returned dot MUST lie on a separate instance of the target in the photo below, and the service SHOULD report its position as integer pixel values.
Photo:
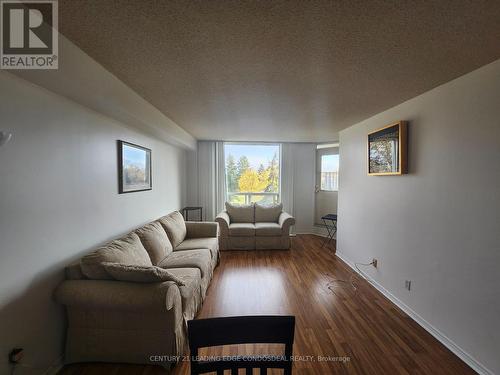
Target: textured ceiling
(282, 70)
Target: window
(329, 172)
(252, 172)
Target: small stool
(186, 210)
(330, 221)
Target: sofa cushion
(175, 227)
(242, 229)
(190, 277)
(198, 258)
(267, 213)
(154, 239)
(241, 213)
(73, 271)
(126, 250)
(191, 294)
(201, 229)
(268, 229)
(140, 274)
(210, 243)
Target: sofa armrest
(119, 295)
(286, 221)
(200, 229)
(224, 221)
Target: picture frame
(387, 150)
(134, 168)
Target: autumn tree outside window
(252, 172)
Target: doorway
(327, 181)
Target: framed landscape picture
(387, 150)
(134, 168)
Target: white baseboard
(316, 231)
(459, 352)
(311, 233)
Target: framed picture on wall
(134, 168)
(387, 150)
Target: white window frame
(320, 152)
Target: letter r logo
(27, 28)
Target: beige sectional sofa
(254, 226)
(129, 301)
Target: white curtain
(211, 178)
(220, 178)
(287, 177)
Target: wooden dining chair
(235, 330)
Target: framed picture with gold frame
(388, 150)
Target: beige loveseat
(136, 321)
(254, 226)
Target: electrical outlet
(408, 284)
(374, 262)
(16, 355)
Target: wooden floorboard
(361, 331)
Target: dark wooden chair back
(235, 330)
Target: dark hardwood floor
(362, 332)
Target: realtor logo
(29, 37)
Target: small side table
(186, 211)
(330, 221)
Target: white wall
(82, 79)
(439, 225)
(58, 200)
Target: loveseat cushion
(241, 213)
(268, 229)
(198, 258)
(267, 213)
(126, 250)
(154, 239)
(242, 229)
(210, 243)
(140, 274)
(175, 227)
